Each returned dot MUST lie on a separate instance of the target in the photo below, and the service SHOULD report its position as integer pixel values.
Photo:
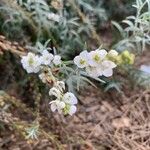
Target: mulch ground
(104, 121)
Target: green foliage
(94, 9)
(140, 78)
(29, 21)
(113, 85)
(135, 36)
(33, 131)
(65, 34)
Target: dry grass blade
(13, 47)
(133, 135)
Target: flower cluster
(97, 62)
(33, 63)
(64, 102)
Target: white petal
(72, 110)
(61, 105)
(113, 65)
(24, 60)
(99, 71)
(92, 63)
(108, 64)
(60, 85)
(31, 54)
(44, 52)
(29, 70)
(113, 53)
(53, 107)
(46, 57)
(70, 98)
(42, 77)
(78, 60)
(94, 58)
(37, 60)
(102, 53)
(57, 60)
(108, 72)
(92, 71)
(54, 91)
(84, 54)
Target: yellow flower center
(66, 109)
(96, 58)
(82, 62)
(31, 61)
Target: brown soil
(103, 121)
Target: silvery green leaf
(128, 22)
(131, 17)
(118, 26)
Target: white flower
(107, 68)
(72, 110)
(97, 56)
(55, 92)
(70, 101)
(42, 77)
(82, 60)
(46, 57)
(112, 53)
(70, 98)
(65, 102)
(54, 17)
(31, 63)
(57, 60)
(94, 71)
(60, 85)
(57, 105)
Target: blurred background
(115, 115)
